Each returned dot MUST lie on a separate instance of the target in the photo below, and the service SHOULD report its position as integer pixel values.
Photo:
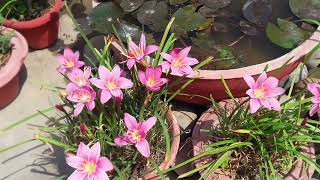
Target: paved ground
(33, 160)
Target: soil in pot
(24, 10)
(4, 58)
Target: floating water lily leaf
(227, 58)
(286, 34)
(204, 39)
(154, 14)
(175, 2)
(248, 29)
(208, 12)
(126, 30)
(187, 20)
(257, 11)
(130, 5)
(217, 4)
(306, 9)
(104, 16)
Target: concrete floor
(34, 160)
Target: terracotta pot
(175, 141)
(209, 81)
(41, 32)
(9, 77)
(209, 119)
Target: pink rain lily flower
(136, 53)
(83, 96)
(152, 78)
(88, 163)
(79, 78)
(263, 92)
(69, 60)
(136, 134)
(314, 88)
(178, 61)
(111, 83)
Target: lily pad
(130, 5)
(217, 4)
(286, 34)
(154, 14)
(176, 2)
(188, 20)
(204, 39)
(257, 11)
(306, 9)
(104, 16)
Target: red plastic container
(41, 32)
(209, 81)
(9, 73)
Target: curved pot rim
(175, 131)
(18, 54)
(277, 63)
(292, 174)
(38, 21)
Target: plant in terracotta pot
(244, 36)
(13, 51)
(257, 137)
(38, 21)
(117, 116)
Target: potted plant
(13, 51)
(244, 36)
(37, 21)
(117, 116)
(256, 137)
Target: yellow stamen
(69, 63)
(90, 167)
(134, 134)
(259, 93)
(177, 63)
(111, 85)
(151, 82)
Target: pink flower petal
(104, 73)
(142, 77)
(191, 61)
(83, 150)
(67, 52)
(116, 92)
(130, 121)
(90, 106)
(186, 70)
(265, 103)
(148, 124)
(71, 87)
(314, 109)
(165, 66)
(95, 152)
(105, 164)
(130, 63)
(75, 161)
(142, 44)
(167, 57)
(61, 59)
(315, 100)
(62, 69)
(314, 88)
(261, 79)
(132, 46)
(105, 96)
(151, 49)
(254, 105)
(250, 92)
(143, 147)
(74, 74)
(125, 83)
(78, 175)
(184, 52)
(121, 141)
(116, 71)
(78, 109)
(271, 82)
(274, 103)
(100, 175)
(76, 56)
(275, 92)
(249, 80)
(175, 52)
(101, 84)
(87, 72)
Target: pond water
(240, 49)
